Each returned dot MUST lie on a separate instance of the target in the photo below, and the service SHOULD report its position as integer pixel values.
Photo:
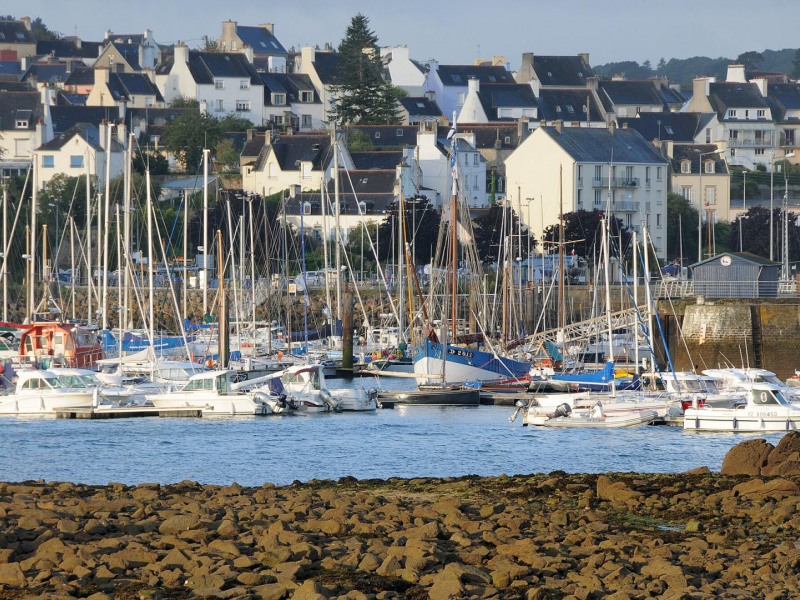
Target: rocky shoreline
(555, 536)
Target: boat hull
(463, 365)
(713, 419)
(631, 419)
(434, 398)
(212, 404)
(41, 404)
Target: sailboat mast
(252, 271)
(185, 249)
(205, 231)
(32, 266)
(126, 235)
(72, 266)
(400, 275)
(5, 259)
(336, 211)
(88, 241)
(150, 299)
(648, 294)
(562, 309)
(636, 299)
(604, 224)
(107, 225)
(454, 254)
(325, 240)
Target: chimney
(102, 128)
(250, 134)
(474, 85)
(736, 74)
(761, 82)
(203, 107)
(543, 123)
(612, 127)
(147, 34)
(181, 53)
(700, 87)
(247, 50)
(559, 125)
(228, 29)
(40, 132)
(101, 75)
(307, 56)
(624, 125)
(107, 34)
(585, 58)
(522, 129)
(269, 27)
(433, 65)
(27, 22)
(44, 93)
(592, 82)
(526, 73)
(619, 77)
(122, 136)
(431, 96)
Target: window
(272, 171)
(233, 44)
(420, 105)
(658, 220)
(48, 162)
(759, 151)
(219, 105)
(688, 193)
(475, 160)
(598, 197)
(457, 78)
(628, 173)
(475, 184)
(306, 96)
(733, 152)
(598, 172)
(492, 78)
(668, 129)
(711, 195)
(580, 198)
(710, 167)
(570, 110)
(279, 99)
(219, 84)
(761, 114)
(399, 133)
(558, 108)
(708, 135)
(638, 110)
(461, 98)
(732, 114)
(244, 84)
(659, 176)
(306, 121)
(686, 166)
(377, 135)
(747, 114)
(362, 207)
(243, 106)
(22, 124)
(647, 176)
(76, 162)
(306, 208)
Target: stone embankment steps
(618, 536)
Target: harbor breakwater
(537, 537)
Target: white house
(223, 82)
(146, 49)
(322, 68)
(25, 124)
(745, 125)
(404, 72)
(450, 83)
(594, 164)
(416, 109)
(135, 89)
(434, 163)
(78, 148)
(492, 102)
(291, 102)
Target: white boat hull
(630, 419)
(212, 404)
(748, 419)
(355, 400)
(36, 404)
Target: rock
(5, 555)
(201, 581)
(311, 590)
(500, 579)
(225, 547)
(178, 524)
(698, 471)
(249, 578)
(270, 591)
(789, 445)
(390, 566)
(615, 491)
(446, 589)
(693, 526)
(467, 573)
(747, 458)
(788, 468)
(369, 563)
(11, 574)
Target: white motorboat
(41, 392)
(307, 389)
(216, 392)
(737, 381)
(764, 408)
(583, 419)
(624, 402)
(699, 389)
(120, 395)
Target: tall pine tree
(362, 95)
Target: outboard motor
(562, 410)
(329, 400)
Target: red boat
(60, 344)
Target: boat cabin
(689, 383)
(766, 396)
(219, 382)
(304, 378)
(35, 381)
(62, 344)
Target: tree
(186, 136)
(751, 59)
(796, 65)
(582, 233)
(359, 141)
(157, 162)
(422, 223)
(361, 93)
(209, 45)
(489, 233)
(647, 65)
(755, 232)
(41, 32)
(662, 65)
(234, 123)
(226, 154)
(681, 218)
(184, 102)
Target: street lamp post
(55, 254)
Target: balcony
(625, 207)
(751, 142)
(616, 182)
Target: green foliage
(187, 135)
(359, 141)
(630, 68)
(755, 233)
(795, 71)
(226, 154)
(681, 216)
(64, 192)
(751, 59)
(422, 223)
(209, 45)
(582, 233)
(158, 163)
(234, 123)
(184, 102)
(41, 32)
(489, 234)
(362, 96)
(138, 189)
(722, 237)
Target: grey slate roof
(505, 95)
(587, 144)
(390, 135)
(291, 150)
(746, 256)
(66, 117)
(262, 41)
(365, 161)
(681, 152)
(87, 131)
(629, 93)
(132, 84)
(206, 66)
(488, 136)
(81, 76)
(49, 72)
(376, 203)
(130, 53)
(327, 66)
(723, 96)
(420, 106)
(291, 84)
(566, 71)
(65, 99)
(17, 104)
(783, 97)
(14, 86)
(253, 147)
(459, 75)
(15, 32)
(126, 38)
(555, 104)
(678, 127)
(10, 67)
(672, 96)
(373, 181)
(65, 49)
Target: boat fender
(734, 422)
(562, 410)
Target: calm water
(404, 442)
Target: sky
(453, 31)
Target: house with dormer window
(268, 52)
(25, 124)
(784, 100)
(709, 191)
(140, 50)
(291, 102)
(493, 102)
(16, 38)
(134, 89)
(449, 84)
(321, 68)
(224, 83)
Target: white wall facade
(436, 173)
(62, 162)
(403, 72)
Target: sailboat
(443, 362)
